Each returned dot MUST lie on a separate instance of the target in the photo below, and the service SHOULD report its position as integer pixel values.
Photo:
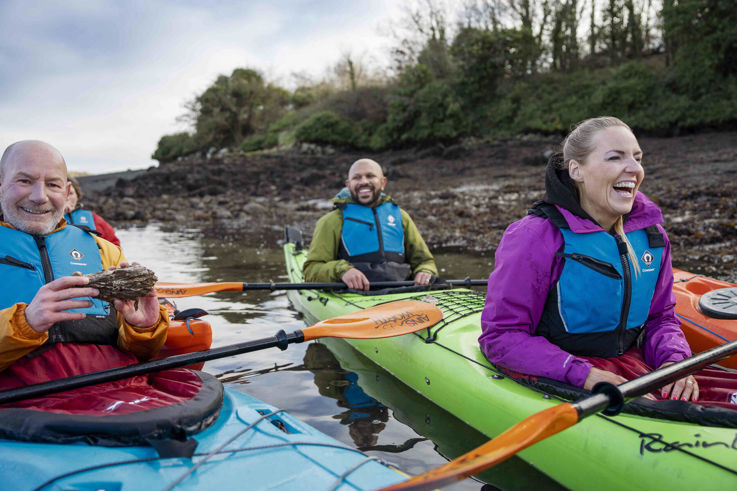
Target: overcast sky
(104, 80)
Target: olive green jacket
(323, 265)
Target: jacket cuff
(341, 269)
(23, 328)
(163, 317)
(578, 372)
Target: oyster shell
(129, 283)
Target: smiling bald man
(367, 237)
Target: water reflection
(365, 416)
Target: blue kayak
(250, 445)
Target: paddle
(548, 422)
(178, 290)
(382, 321)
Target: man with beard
(367, 237)
(51, 324)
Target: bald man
(367, 237)
(51, 324)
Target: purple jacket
(526, 268)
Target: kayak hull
(278, 452)
(185, 335)
(450, 370)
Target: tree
(481, 59)
(533, 18)
(563, 37)
(701, 37)
(237, 106)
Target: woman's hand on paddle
(146, 314)
(54, 298)
(685, 389)
(353, 278)
(596, 375)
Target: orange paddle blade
(178, 290)
(517, 438)
(381, 321)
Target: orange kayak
(187, 333)
(707, 309)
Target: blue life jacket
(28, 262)
(598, 306)
(372, 240)
(82, 219)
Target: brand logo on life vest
(647, 258)
(83, 219)
(76, 255)
(391, 220)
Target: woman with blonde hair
(581, 290)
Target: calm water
(328, 384)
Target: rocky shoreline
(462, 197)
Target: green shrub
(260, 142)
(172, 146)
(428, 114)
(326, 128)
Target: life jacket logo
(76, 255)
(391, 220)
(83, 219)
(647, 258)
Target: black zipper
(11, 261)
(622, 327)
(45, 261)
(597, 265)
(370, 225)
(378, 232)
(54, 333)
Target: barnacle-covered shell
(129, 283)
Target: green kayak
(637, 449)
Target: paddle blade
(520, 436)
(381, 321)
(179, 290)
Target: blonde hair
(578, 145)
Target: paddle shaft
(281, 339)
(341, 285)
(175, 290)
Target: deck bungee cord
(702, 327)
(228, 451)
(221, 449)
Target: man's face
(366, 181)
(34, 189)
